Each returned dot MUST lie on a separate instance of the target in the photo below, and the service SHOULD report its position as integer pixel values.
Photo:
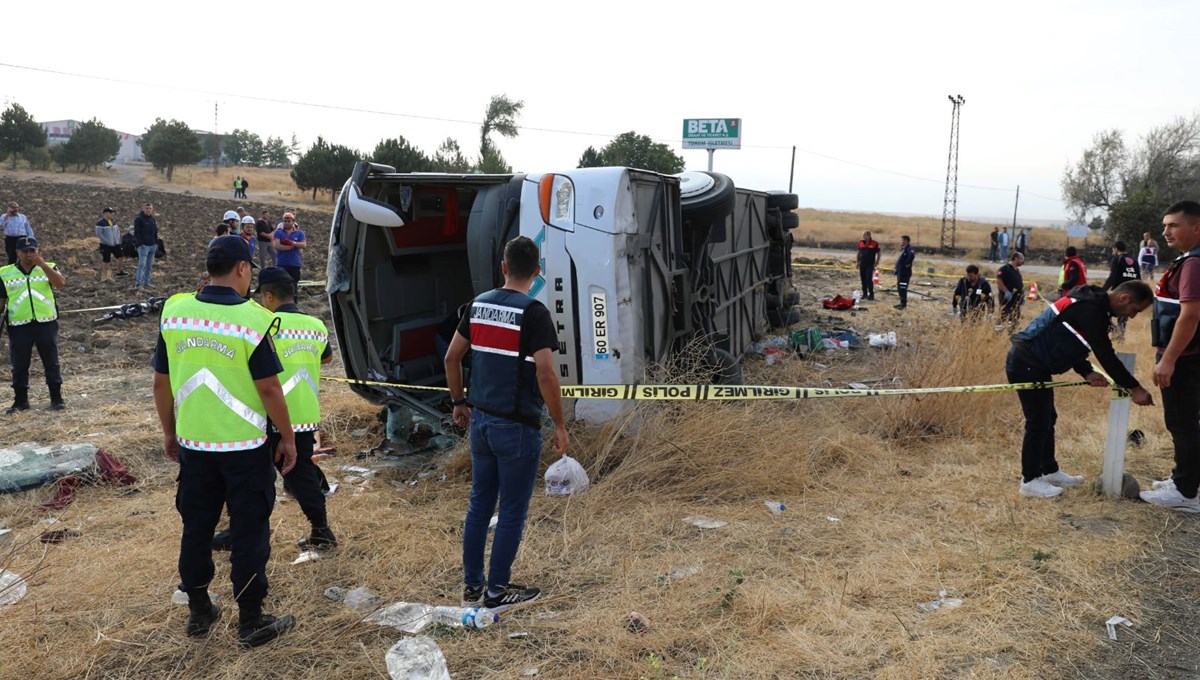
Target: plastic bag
(566, 477)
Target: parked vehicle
(635, 266)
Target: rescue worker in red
(1074, 272)
(868, 260)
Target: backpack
(129, 246)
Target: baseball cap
(108, 210)
(230, 215)
(249, 220)
(27, 243)
(273, 275)
(232, 248)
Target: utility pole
(792, 174)
(950, 202)
(1015, 204)
(216, 139)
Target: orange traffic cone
(875, 277)
(1033, 294)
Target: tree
(60, 157)
(1125, 191)
(38, 157)
(629, 149)
(324, 167)
(399, 154)
(90, 145)
(450, 158)
(167, 144)
(243, 146)
(501, 118)
(590, 158)
(276, 154)
(19, 132)
(493, 163)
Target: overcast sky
(851, 84)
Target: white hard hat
(248, 220)
(230, 215)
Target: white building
(59, 131)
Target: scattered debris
(180, 597)
(1115, 621)
(530, 672)
(775, 507)
(521, 634)
(831, 518)
(788, 531)
(57, 536)
(566, 477)
(1136, 438)
(335, 593)
(705, 523)
(307, 556)
(361, 599)
(333, 487)
(637, 623)
(679, 574)
(1130, 488)
(942, 602)
(6, 536)
(416, 658)
(12, 588)
(882, 339)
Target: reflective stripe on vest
(300, 342)
(501, 384)
(208, 346)
(30, 297)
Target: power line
(460, 121)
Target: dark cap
(27, 243)
(230, 249)
(108, 210)
(274, 275)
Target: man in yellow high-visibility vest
(216, 383)
(28, 288)
(302, 342)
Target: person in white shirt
(1148, 255)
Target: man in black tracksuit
(904, 265)
(1059, 339)
(1121, 268)
(868, 260)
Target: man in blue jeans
(145, 231)
(512, 373)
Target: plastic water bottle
(775, 507)
(464, 617)
(857, 296)
(409, 617)
(416, 658)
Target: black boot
(321, 538)
(56, 400)
(256, 628)
(20, 401)
(222, 541)
(203, 613)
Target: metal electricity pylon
(950, 203)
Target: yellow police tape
(749, 392)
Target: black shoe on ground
(121, 274)
(222, 541)
(263, 630)
(900, 306)
(512, 596)
(17, 406)
(321, 538)
(58, 406)
(473, 595)
(199, 623)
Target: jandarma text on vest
(208, 343)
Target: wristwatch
(458, 402)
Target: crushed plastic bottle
(409, 617)
(12, 588)
(414, 617)
(416, 658)
(775, 507)
(361, 599)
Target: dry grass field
(270, 185)
(889, 501)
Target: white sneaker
(1061, 478)
(1168, 483)
(1039, 488)
(1169, 497)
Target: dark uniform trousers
(21, 341)
(1037, 447)
(866, 278)
(1181, 412)
(305, 482)
(245, 481)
